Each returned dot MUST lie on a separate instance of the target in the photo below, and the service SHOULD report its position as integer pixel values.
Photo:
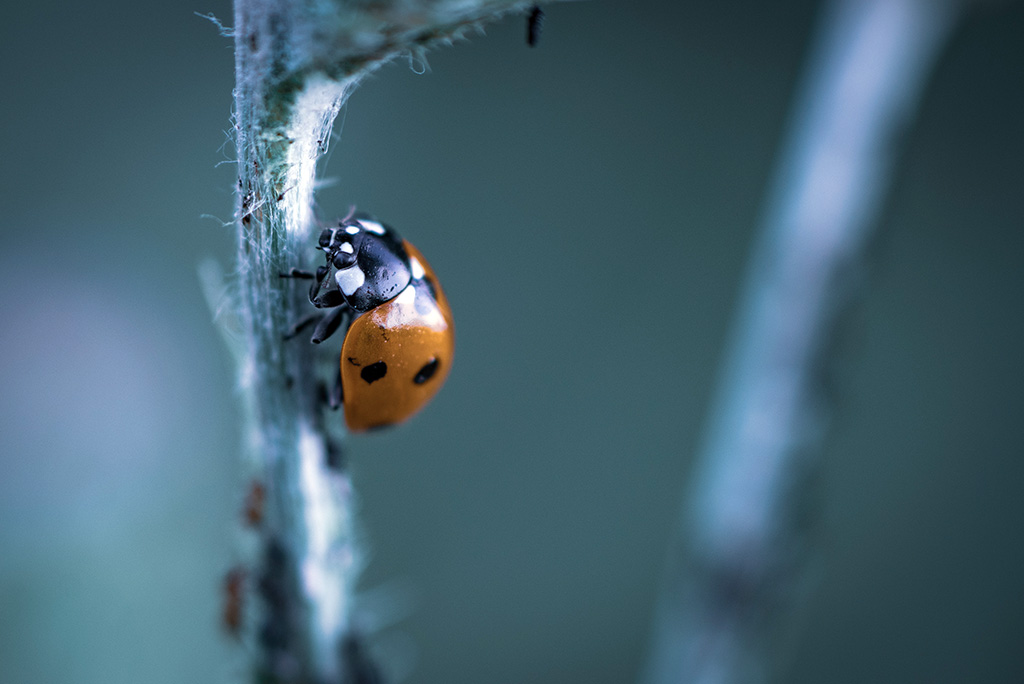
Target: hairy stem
(733, 564)
(296, 62)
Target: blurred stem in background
(737, 559)
(296, 62)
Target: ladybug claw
(297, 273)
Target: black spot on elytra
(374, 372)
(354, 362)
(427, 372)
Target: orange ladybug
(399, 335)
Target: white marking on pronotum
(403, 311)
(350, 279)
(373, 227)
(417, 268)
(346, 247)
(352, 230)
(406, 297)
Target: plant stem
(296, 63)
(737, 555)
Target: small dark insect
(254, 501)
(231, 617)
(534, 24)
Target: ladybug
(399, 336)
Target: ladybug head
(366, 261)
(340, 243)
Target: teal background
(589, 205)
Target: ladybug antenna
(349, 215)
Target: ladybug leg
(336, 395)
(315, 286)
(329, 324)
(297, 273)
(324, 292)
(333, 395)
(302, 324)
